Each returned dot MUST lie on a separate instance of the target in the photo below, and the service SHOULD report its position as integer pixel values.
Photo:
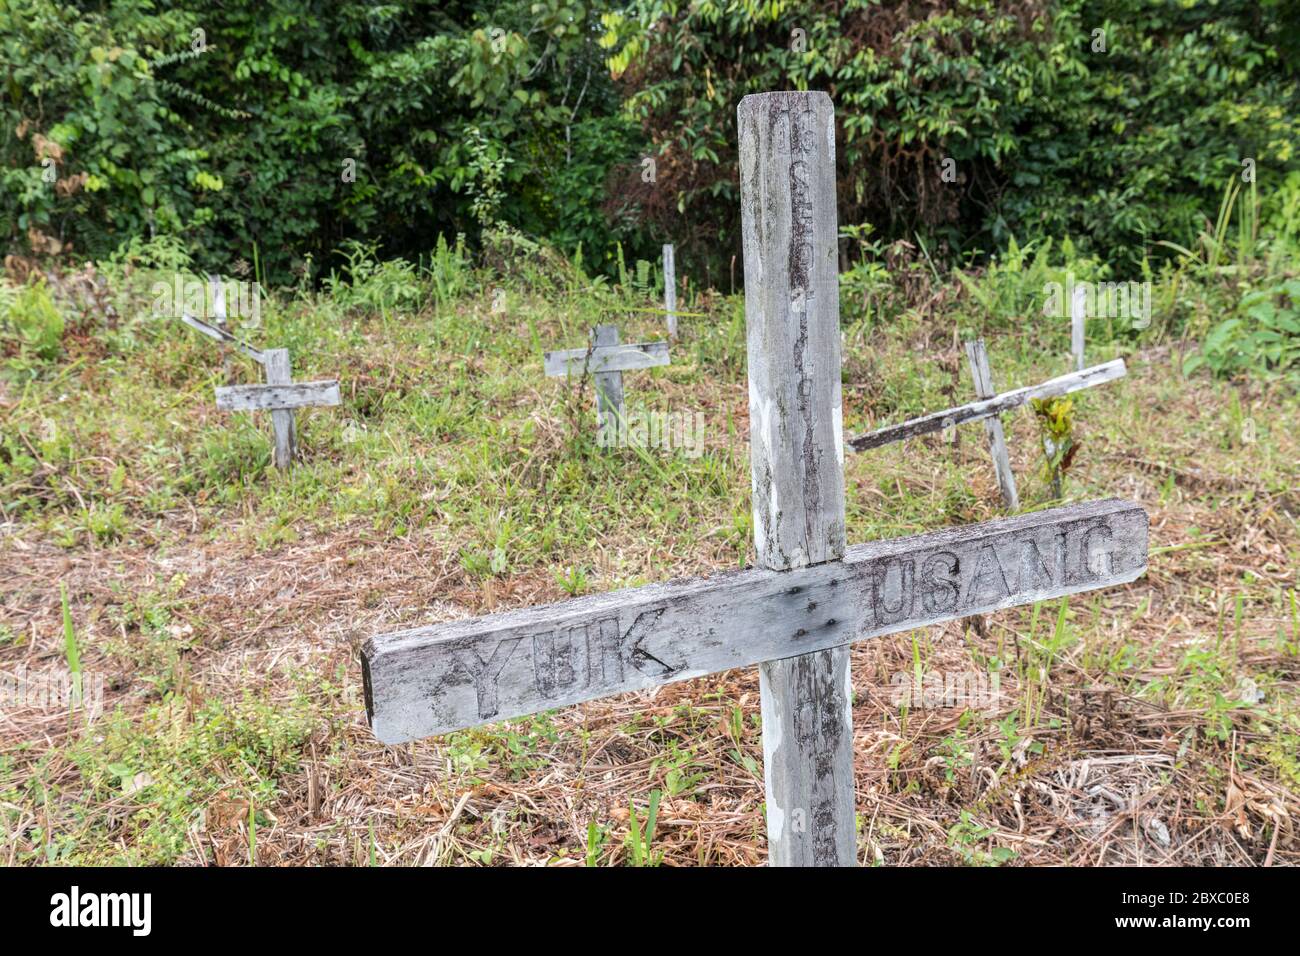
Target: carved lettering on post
(533, 659)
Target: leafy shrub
(275, 130)
(1115, 121)
(272, 132)
(33, 322)
(1263, 336)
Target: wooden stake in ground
(670, 290)
(811, 596)
(978, 358)
(606, 361)
(1078, 316)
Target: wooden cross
(219, 332)
(811, 596)
(606, 360)
(280, 395)
(1078, 318)
(989, 407)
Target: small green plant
(1263, 337)
(34, 322)
(574, 580)
(640, 843)
(1056, 425)
(70, 649)
(966, 836)
(372, 285)
(596, 837)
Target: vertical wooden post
(978, 358)
(789, 226)
(609, 385)
(218, 293)
(286, 438)
(670, 290)
(1078, 315)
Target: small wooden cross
(811, 596)
(280, 395)
(606, 360)
(989, 407)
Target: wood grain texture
(620, 358)
(977, 357)
(789, 230)
(974, 411)
(261, 398)
(279, 372)
(670, 289)
(445, 677)
(224, 337)
(609, 384)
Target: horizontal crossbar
(252, 398)
(436, 679)
(606, 358)
(221, 335)
(988, 407)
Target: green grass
(451, 441)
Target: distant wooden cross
(218, 331)
(811, 596)
(989, 407)
(280, 395)
(606, 360)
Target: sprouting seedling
(69, 634)
(1056, 424)
(639, 845)
(70, 649)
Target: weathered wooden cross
(280, 395)
(989, 407)
(794, 615)
(606, 360)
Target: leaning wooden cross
(606, 360)
(280, 395)
(989, 407)
(794, 615)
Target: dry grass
(1105, 747)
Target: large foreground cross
(796, 614)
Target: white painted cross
(989, 407)
(796, 613)
(280, 395)
(606, 360)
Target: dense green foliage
(446, 115)
(1116, 122)
(239, 126)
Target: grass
(223, 602)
